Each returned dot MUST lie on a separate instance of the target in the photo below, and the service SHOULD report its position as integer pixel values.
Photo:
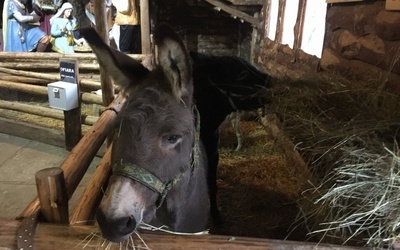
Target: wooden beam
(145, 26)
(42, 90)
(280, 21)
(32, 132)
(246, 2)
(50, 236)
(57, 56)
(50, 77)
(299, 26)
(41, 55)
(107, 86)
(46, 65)
(43, 111)
(266, 18)
(234, 12)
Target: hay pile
(257, 188)
(347, 132)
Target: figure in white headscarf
(62, 26)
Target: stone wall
(363, 40)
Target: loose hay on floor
(257, 189)
(341, 128)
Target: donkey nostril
(131, 223)
(128, 223)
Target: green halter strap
(151, 181)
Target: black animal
(222, 85)
(159, 172)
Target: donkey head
(154, 137)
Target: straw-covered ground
(347, 132)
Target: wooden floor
(49, 236)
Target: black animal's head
(234, 78)
(224, 84)
(154, 134)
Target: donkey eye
(172, 139)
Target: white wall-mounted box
(63, 95)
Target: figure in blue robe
(20, 34)
(62, 29)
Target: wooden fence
(75, 230)
(29, 73)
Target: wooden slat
(299, 25)
(56, 56)
(280, 21)
(43, 111)
(77, 237)
(145, 26)
(51, 77)
(246, 2)
(234, 12)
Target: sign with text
(69, 70)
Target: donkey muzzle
(115, 229)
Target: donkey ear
(123, 69)
(174, 61)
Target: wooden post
(102, 28)
(281, 20)
(72, 127)
(145, 26)
(254, 40)
(298, 28)
(69, 72)
(85, 207)
(52, 195)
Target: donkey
(159, 168)
(222, 85)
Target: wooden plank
(50, 236)
(246, 2)
(234, 12)
(299, 26)
(266, 18)
(32, 132)
(46, 65)
(43, 111)
(50, 77)
(41, 55)
(145, 26)
(42, 90)
(280, 22)
(107, 86)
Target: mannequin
(129, 21)
(19, 33)
(62, 29)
